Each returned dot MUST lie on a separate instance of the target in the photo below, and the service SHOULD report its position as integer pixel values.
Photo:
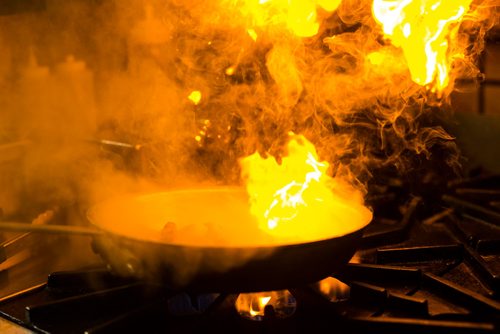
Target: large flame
(297, 198)
(299, 16)
(422, 28)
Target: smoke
(78, 72)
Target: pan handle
(58, 229)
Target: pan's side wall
(227, 269)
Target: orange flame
(334, 289)
(299, 16)
(261, 304)
(297, 199)
(422, 28)
(252, 305)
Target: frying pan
(131, 247)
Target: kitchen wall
(477, 107)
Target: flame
(334, 289)
(299, 16)
(297, 199)
(423, 28)
(252, 305)
(262, 302)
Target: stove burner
(266, 305)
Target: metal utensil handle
(72, 230)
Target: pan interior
(207, 217)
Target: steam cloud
(80, 71)
(122, 70)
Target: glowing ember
(230, 70)
(297, 199)
(299, 16)
(334, 289)
(422, 28)
(253, 305)
(195, 97)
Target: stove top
(428, 264)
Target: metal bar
(489, 214)
(66, 229)
(16, 294)
(364, 293)
(419, 254)
(88, 306)
(409, 325)
(488, 246)
(470, 299)
(437, 217)
(407, 304)
(485, 180)
(374, 272)
(473, 191)
(391, 234)
(491, 278)
(142, 319)
(377, 237)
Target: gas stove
(193, 86)
(428, 264)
